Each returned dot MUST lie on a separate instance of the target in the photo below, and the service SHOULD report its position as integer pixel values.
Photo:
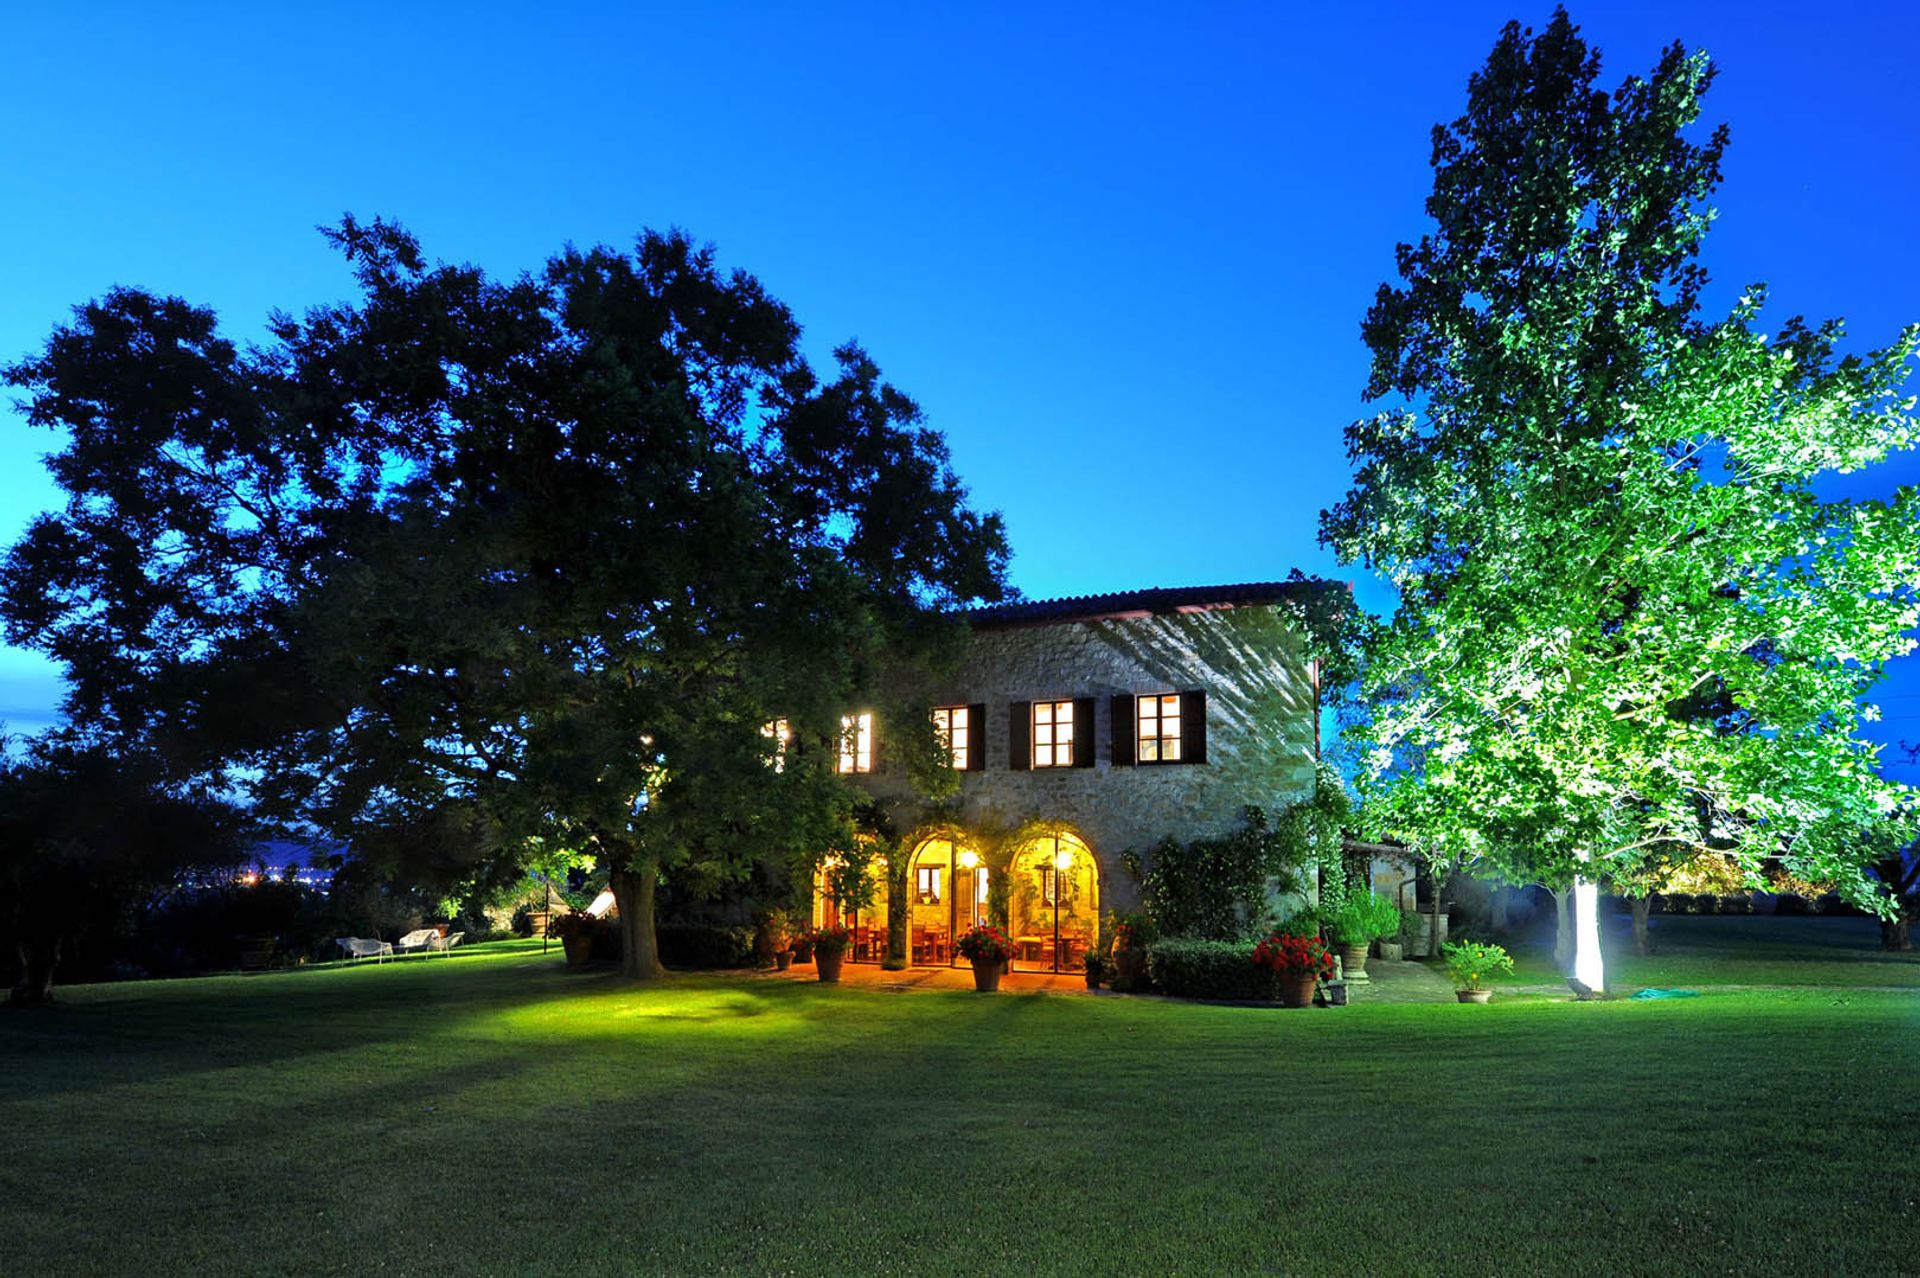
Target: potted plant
(988, 949)
(576, 931)
(1096, 968)
(1297, 962)
(830, 949)
(1362, 918)
(777, 926)
(1473, 964)
(1131, 935)
(803, 943)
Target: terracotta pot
(1093, 978)
(1473, 996)
(986, 974)
(1296, 991)
(829, 964)
(578, 945)
(782, 960)
(1353, 960)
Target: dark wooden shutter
(1124, 730)
(1084, 739)
(1193, 727)
(873, 748)
(977, 738)
(1020, 735)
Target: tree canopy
(466, 562)
(1628, 621)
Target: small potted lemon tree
(1473, 965)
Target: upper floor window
(1157, 728)
(856, 742)
(955, 727)
(780, 732)
(1053, 734)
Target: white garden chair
(445, 943)
(421, 939)
(359, 947)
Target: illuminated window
(1053, 734)
(954, 724)
(1158, 728)
(1056, 886)
(927, 884)
(780, 732)
(856, 742)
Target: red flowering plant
(831, 940)
(984, 943)
(1295, 956)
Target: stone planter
(1390, 951)
(1296, 991)
(782, 960)
(1337, 993)
(1353, 960)
(828, 965)
(986, 974)
(1473, 996)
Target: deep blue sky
(1106, 247)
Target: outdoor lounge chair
(420, 939)
(359, 947)
(445, 943)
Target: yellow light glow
(969, 859)
(1063, 859)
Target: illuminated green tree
(1627, 624)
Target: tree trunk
(1897, 935)
(34, 986)
(639, 942)
(1563, 928)
(1433, 918)
(1642, 942)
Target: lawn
(1726, 950)
(495, 1113)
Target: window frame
(856, 744)
(1157, 743)
(1054, 745)
(960, 757)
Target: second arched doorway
(1053, 902)
(946, 895)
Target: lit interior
(856, 742)
(1053, 903)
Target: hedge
(705, 945)
(1208, 969)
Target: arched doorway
(868, 926)
(946, 894)
(1053, 903)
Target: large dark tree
(469, 562)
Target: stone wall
(1261, 715)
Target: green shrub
(1473, 965)
(705, 945)
(1364, 917)
(1739, 903)
(1791, 903)
(1208, 969)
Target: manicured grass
(1738, 950)
(498, 1114)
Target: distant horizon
(1100, 249)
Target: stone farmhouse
(1084, 728)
